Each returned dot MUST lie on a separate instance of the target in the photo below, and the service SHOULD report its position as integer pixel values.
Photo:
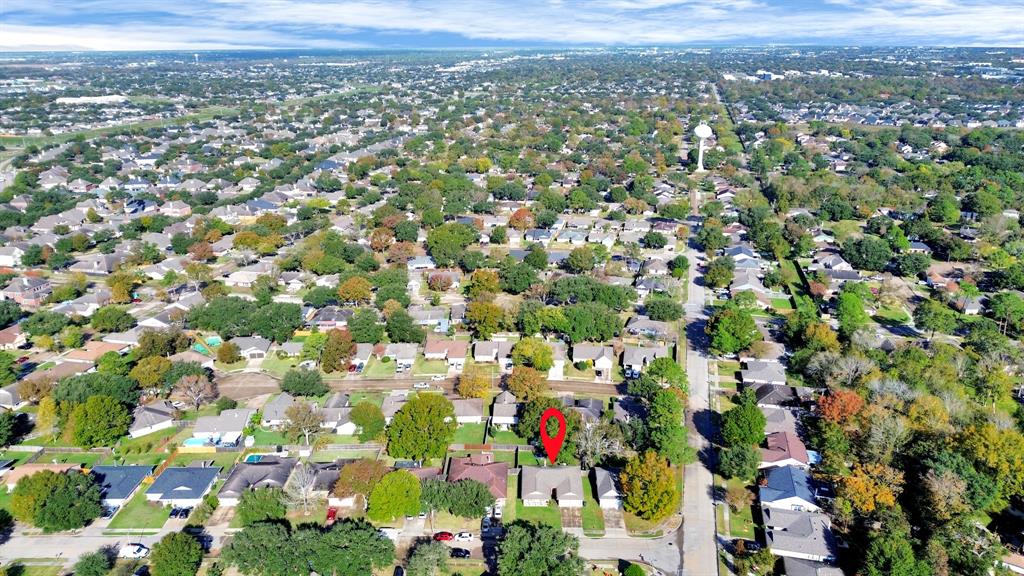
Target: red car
(332, 515)
(443, 536)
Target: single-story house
(505, 411)
(602, 357)
(799, 534)
(225, 428)
(337, 414)
(605, 489)
(784, 449)
(538, 485)
(252, 347)
(12, 337)
(482, 468)
(763, 372)
(799, 567)
(183, 486)
(10, 398)
(493, 351)
(391, 405)
(451, 351)
(118, 483)
(469, 410)
(267, 472)
(25, 470)
(403, 354)
(273, 411)
(636, 358)
(775, 395)
(788, 488)
(362, 356)
(149, 418)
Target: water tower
(703, 132)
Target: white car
(437, 378)
(463, 537)
(133, 550)
(421, 385)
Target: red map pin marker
(552, 445)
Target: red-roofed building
(482, 468)
(784, 449)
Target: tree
(197, 389)
(8, 427)
(355, 290)
(732, 329)
(663, 308)
(10, 313)
(464, 498)
(447, 242)
(259, 505)
(46, 416)
(871, 486)
(590, 322)
(364, 326)
(596, 442)
(56, 501)
(304, 382)
(176, 554)
(1007, 309)
(474, 382)
(370, 420)
(738, 497)
(654, 240)
(150, 372)
(934, 316)
(359, 478)
(634, 570)
(229, 353)
(521, 219)
(112, 319)
(44, 323)
(581, 260)
(850, 313)
(483, 282)
(526, 383)
(667, 371)
(94, 564)
(867, 252)
(532, 352)
(739, 461)
(912, 264)
(302, 489)
(302, 421)
(396, 495)
(649, 487)
(402, 328)
(516, 277)
(100, 421)
(422, 428)
(679, 266)
(743, 424)
(529, 426)
(536, 257)
(719, 272)
(339, 348)
(428, 559)
(78, 389)
(531, 549)
(484, 318)
(840, 406)
(891, 553)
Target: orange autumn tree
(521, 219)
(870, 487)
(840, 406)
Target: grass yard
(144, 459)
(637, 526)
(19, 456)
(741, 524)
(549, 514)
(229, 367)
(527, 458)
(505, 437)
(5, 500)
(317, 514)
(147, 442)
(469, 434)
(265, 437)
(138, 513)
(225, 460)
(87, 459)
(332, 455)
(886, 315)
(782, 304)
(593, 517)
(575, 374)
(372, 397)
(278, 366)
(451, 523)
(36, 568)
(424, 367)
(378, 369)
(728, 370)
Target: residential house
(451, 351)
(505, 411)
(27, 291)
(799, 567)
(25, 470)
(538, 485)
(636, 358)
(152, 417)
(759, 372)
(183, 486)
(274, 411)
(788, 488)
(602, 358)
(252, 347)
(644, 326)
(589, 409)
(12, 337)
(799, 534)
(493, 351)
(337, 415)
(267, 472)
(606, 490)
(403, 354)
(225, 428)
(10, 256)
(775, 395)
(469, 410)
(391, 405)
(361, 357)
(10, 399)
(784, 449)
(482, 468)
(118, 483)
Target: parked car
(133, 550)
(443, 536)
(463, 537)
(437, 378)
(421, 385)
(459, 553)
(109, 511)
(332, 515)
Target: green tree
(396, 495)
(150, 372)
(44, 323)
(531, 549)
(260, 505)
(649, 487)
(667, 371)
(402, 328)
(56, 501)
(532, 352)
(732, 329)
(422, 428)
(739, 461)
(99, 421)
(719, 272)
(867, 252)
(891, 553)
(364, 326)
(370, 420)
(743, 424)
(850, 313)
(94, 564)
(934, 316)
(529, 426)
(581, 260)
(112, 319)
(447, 242)
(303, 382)
(428, 559)
(176, 554)
(663, 308)
(8, 427)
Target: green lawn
(741, 524)
(469, 434)
(505, 437)
(5, 499)
(147, 442)
(265, 437)
(140, 514)
(278, 366)
(782, 304)
(229, 367)
(527, 458)
(541, 514)
(144, 459)
(378, 369)
(87, 459)
(35, 569)
(371, 397)
(638, 526)
(593, 517)
(572, 372)
(891, 315)
(330, 456)
(225, 460)
(424, 367)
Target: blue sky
(222, 24)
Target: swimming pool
(194, 442)
(253, 458)
(214, 341)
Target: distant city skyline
(339, 24)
